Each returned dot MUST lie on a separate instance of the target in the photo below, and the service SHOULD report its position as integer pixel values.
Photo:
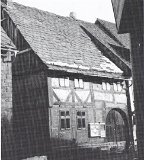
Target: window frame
(65, 117)
(79, 81)
(59, 84)
(106, 86)
(117, 87)
(81, 117)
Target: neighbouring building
(8, 51)
(129, 19)
(69, 82)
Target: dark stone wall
(24, 108)
(30, 113)
(7, 140)
(30, 107)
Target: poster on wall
(94, 129)
(97, 129)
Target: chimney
(72, 15)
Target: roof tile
(6, 41)
(61, 40)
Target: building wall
(92, 98)
(30, 107)
(31, 114)
(6, 85)
(7, 140)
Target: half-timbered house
(69, 81)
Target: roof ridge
(36, 9)
(106, 21)
(51, 13)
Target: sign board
(37, 158)
(97, 129)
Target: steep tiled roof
(123, 38)
(6, 41)
(106, 40)
(61, 40)
(122, 51)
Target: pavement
(93, 155)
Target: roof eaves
(93, 73)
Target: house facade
(85, 109)
(69, 81)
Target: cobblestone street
(91, 154)
(86, 156)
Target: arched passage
(117, 126)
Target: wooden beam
(23, 51)
(3, 19)
(9, 49)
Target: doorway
(115, 127)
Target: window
(106, 86)
(81, 119)
(78, 83)
(117, 87)
(60, 82)
(64, 120)
(55, 82)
